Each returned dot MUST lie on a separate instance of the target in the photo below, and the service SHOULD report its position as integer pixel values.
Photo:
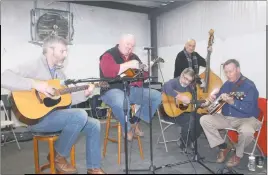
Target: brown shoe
(95, 171)
(129, 135)
(62, 165)
(222, 155)
(137, 130)
(234, 161)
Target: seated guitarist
(185, 120)
(114, 62)
(241, 115)
(69, 121)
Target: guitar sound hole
(183, 107)
(51, 102)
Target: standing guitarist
(240, 115)
(69, 121)
(175, 88)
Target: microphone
(197, 79)
(69, 81)
(147, 48)
(142, 66)
(159, 60)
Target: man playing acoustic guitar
(69, 121)
(176, 88)
(238, 114)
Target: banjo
(215, 106)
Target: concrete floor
(14, 161)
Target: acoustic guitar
(33, 105)
(217, 105)
(174, 107)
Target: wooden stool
(50, 138)
(106, 137)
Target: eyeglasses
(186, 79)
(62, 50)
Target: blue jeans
(140, 96)
(71, 122)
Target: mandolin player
(113, 63)
(236, 113)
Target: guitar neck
(74, 89)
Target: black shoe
(189, 145)
(182, 145)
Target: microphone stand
(126, 82)
(125, 109)
(125, 104)
(196, 157)
(151, 168)
(88, 80)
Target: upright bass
(212, 81)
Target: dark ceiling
(152, 8)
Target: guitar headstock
(102, 84)
(211, 38)
(238, 95)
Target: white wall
(96, 30)
(240, 33)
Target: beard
(183, 85)
(58, 61)
(59, 65)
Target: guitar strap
(237, 84)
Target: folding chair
(257, 133)
(163, 129)
(5, 123)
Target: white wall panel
(96, 30)
(240, 33)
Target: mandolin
(34, 105)
(130, 73)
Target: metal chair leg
(15, 138)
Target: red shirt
(110, 68)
